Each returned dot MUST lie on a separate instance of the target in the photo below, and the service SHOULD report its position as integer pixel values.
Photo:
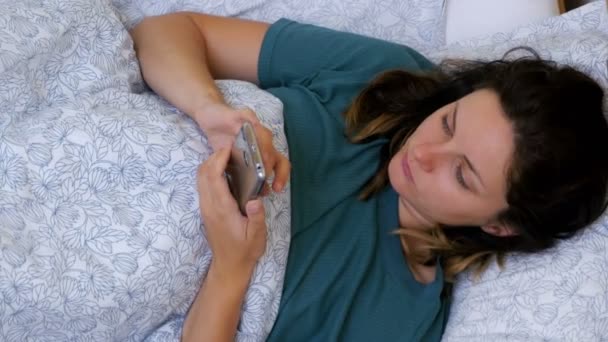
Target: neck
(411, 219)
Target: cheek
(453, 208)
(441, 197)
(395, 176)
(436, 184)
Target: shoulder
(353, 48)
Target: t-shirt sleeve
(293, 52)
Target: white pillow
(418, 23)
(463, 19)
(576, 38)
(560, 294)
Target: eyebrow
(469, 164)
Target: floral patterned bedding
(99, 230)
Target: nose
(427, 155)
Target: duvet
(100, 233)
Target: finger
(269, 162)
(265, 190)
(217, 162)
(204, 184)
(249, 115)
(256, 213)
(281, 173)
(217, 204)
(202, 177)
(267, 149)
(216, 199)
(224, 141)
(218, 184)
(212, 184)
(209, 171)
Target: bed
(99, 229)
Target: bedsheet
(100, 233)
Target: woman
(471, 163)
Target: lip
(405, 165)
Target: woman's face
(453, 169)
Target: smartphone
(245, 172)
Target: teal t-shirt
(346, 278)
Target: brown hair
(556, 184)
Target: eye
(460, 177)
(445, 126)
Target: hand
(221, 123)
(237, 242)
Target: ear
(499, 229)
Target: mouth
(405, 165)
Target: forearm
(215, 313)
(172, 54)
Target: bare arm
(215, 313)
(237, 243)
(182, 53)
(180, 56)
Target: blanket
(100, 233)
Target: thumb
(255, 212)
